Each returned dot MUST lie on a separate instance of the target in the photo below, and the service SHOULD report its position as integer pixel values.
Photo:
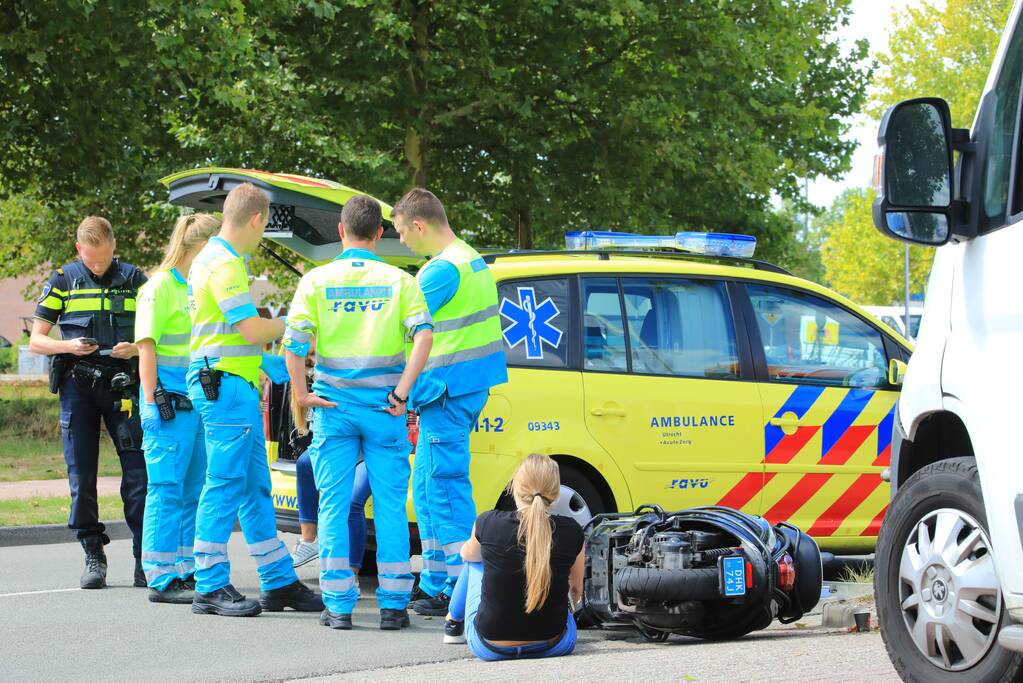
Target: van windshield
(1005, 99)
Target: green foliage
(860, 262)
(528, 118)
(941, 50)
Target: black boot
(393, 619)
(295, 595)
(177, 592)
(338, 622)
(140, 575)
(227, 602)
(431, 607)
(95, 574)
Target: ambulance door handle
(788, 422)
(608, 412)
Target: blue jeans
(309, 503)
(441, 490)
(465, 603)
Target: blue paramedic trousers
(237, 486)
(441, 490)
(338, 436)
(309, 503)
(465, 603)
(81, 409)
(175, 453)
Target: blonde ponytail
(189, 232)
(536, 484)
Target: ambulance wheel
(938, 600)
(579, 498)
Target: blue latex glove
(275, 369)
(149, 415)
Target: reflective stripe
(436, 566)
(301, 325)
(394, 567)
(170, 339)
(227, 351)
(423, 318)
(397, 585)
(207, 547)
(453, 548)
(233, 302)
(430, 544)
(466, 320)
(185, 551)
(185, 568)
(296, 336)
(376, 381)
(207, 561)
(205, 329)
(328, 563)
(172, 361)
(455, 569)
(157, 572)
(263, 547)
(169, 558)
(356, 363)
(337, 585)
(282, 552)
(463, 356)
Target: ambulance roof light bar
(703, 243)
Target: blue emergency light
(706, 243)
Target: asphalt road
(51, 630)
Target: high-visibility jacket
(361, 311)
(90, 309)
(162, 316)
(219, 298)
(468, 349)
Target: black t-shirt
(502, 612)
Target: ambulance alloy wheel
(938, 599)
(579, 498)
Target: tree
(860, 262)
(941, 50)
(527, 117)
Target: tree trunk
(523, 228)
(419, 122)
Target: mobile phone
(89, 340)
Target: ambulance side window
(535, 317)
(603, 329)
(808, 340)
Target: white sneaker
(305, 553)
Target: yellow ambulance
(674, 370)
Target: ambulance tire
(945, 491)
(586, 493)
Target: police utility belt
(91, 375)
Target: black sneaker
(432, 607)
(295, 595)
(417, 595)
(177, 592)
(140, 575)
(227, 602)
(95, 574)
(394, 619)
(338, 622)
(189, 583)
(454, 632)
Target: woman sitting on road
(511, 599)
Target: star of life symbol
(531, 323)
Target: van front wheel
(938, 599)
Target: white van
(949, 563)
(894, 317)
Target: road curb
(41, 534)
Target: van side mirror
(896, 372)
(913, 172)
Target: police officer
(226, 353)
(174, 446)
(362, 311)
(467, 359)
(92, 302)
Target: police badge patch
(46, 292)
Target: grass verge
(25, 511)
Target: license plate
(733, 570)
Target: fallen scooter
(708, 572)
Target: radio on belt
(706, 243)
